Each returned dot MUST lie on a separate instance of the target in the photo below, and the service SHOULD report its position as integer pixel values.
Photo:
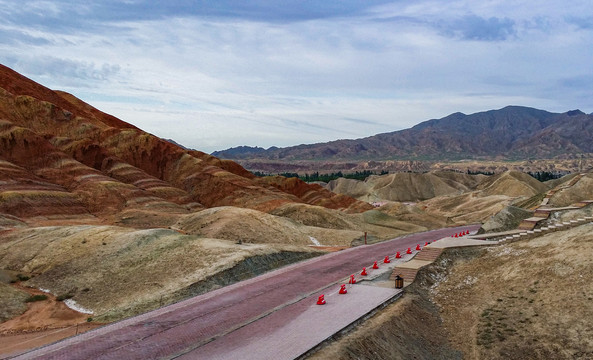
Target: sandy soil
(526, 300)
(42, 323)
(117, 272)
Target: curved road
(180, 328)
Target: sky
(218, 74)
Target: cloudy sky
(215, 74)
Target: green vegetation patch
(316, 176)
(34, 298)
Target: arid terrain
(100, 221)
(530, 299)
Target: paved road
(183, 327)
(297, 328)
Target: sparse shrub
(34, 298)
(63, 297)
(89, 319)
(22, 277)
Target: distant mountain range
(513, 132)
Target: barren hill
(90, 204)
(406, 186)
(61, 156)
(581, 190)
(511, 183)
(442, 195)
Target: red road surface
(175, 329)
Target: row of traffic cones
(463, 233)
(321, 299)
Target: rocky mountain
(241, 151)
(512, 132)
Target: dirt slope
(491, 195)
(512, 184)
(252, 226)
(515, 299)
(378, 224)
(406, 186)
(530, 299)
(115, 271)
(12, 300)
(582, 190)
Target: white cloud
(211, 83)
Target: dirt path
(42, 323)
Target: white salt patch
(74, 306)
(314, 241)
(45, 290)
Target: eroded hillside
(530, 299)
(442, 197)
(122, 221)
(95, 208)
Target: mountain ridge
(509, 133)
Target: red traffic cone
(456, 235)
(398, 255)
(352, 279)
(364, 271)
(386, 260)
(418, 247)
(343, 289)
(321, 300)
(375, 266)
(409, 251)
